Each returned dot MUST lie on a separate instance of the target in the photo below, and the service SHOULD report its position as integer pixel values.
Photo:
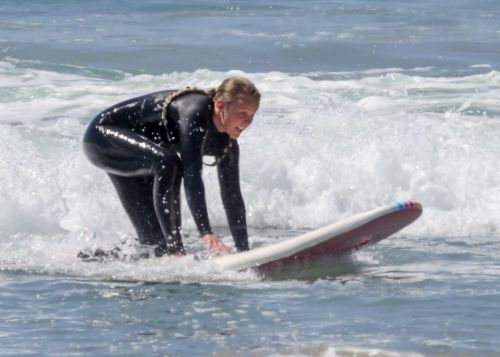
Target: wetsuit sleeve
(192, 118)
(229, 181)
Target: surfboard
(337, 239)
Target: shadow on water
(327, 268)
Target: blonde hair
(229, 91)
(234, 88)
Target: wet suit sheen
(147, 162)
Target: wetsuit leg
(166, 198)
(135, 193)
(125, 154)
(175, 210)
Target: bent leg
(147, 178)
(166, 198)
(136, 196)
(175, 211)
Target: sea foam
(323, 146)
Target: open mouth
(240, 129)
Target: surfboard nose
(408, 204)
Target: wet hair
(234, 88)
(177, 94)
(229, 91)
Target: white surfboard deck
(336, 239)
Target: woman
(148, 145)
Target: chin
(234, 135)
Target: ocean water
(364, 103)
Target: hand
(215, 244)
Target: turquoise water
(365, 103)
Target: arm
(229, 181)
(191, 113)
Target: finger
(224, 248)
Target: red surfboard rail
(369, 233)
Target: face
(236, 117)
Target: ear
(218, 103)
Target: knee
(168, 166)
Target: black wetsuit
(147, 162)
